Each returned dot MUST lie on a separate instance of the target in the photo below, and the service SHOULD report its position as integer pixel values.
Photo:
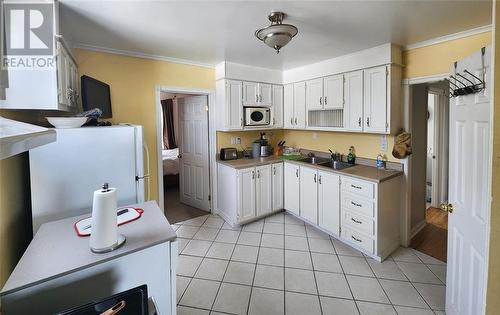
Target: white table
(58, 271)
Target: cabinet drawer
(359, 222)
(358, 239)
(358, 187)
(358, 205)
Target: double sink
(336, 165)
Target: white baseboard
(417, 228)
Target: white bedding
(170, 162)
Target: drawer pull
(356, 221)
(355, 204)
(356, 239)
(354, 186)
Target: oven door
(257, 116)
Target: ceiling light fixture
(276, 35)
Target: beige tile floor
(279, 265)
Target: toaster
(228, 154)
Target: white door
(375, 99)
(288, 111)
(277, 106)
(469, 193)
(299, 105)
(265, 94)
(263, 189)
(246, 191)
(193, 152)
(292, 187)
(333, 90)
(309, 194)
(250, 93)
(234, 106)
(277, 183)
(329, 201)
(353, 93)
(314, 94)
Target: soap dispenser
(380, 163)
(351, 157)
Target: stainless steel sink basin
(336, 165)
(315, 160)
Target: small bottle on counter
(380, 163)
(351, 157)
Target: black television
(95, 94)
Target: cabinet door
(277, 183)
(292, 187)
(333, 92)
(277, 106)
(246, 194)
(250, 93)
(309, 194)
(62, 77)
(375, 99)
(314, 94)
(299, 105)
(329, 201)
(353, 93)
(263, 189)
(265, 94)
(288, 111)
(234, 108)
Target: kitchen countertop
(56, 250)
(365, 172)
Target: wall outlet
(383, 143)
(237, 140)
(315, 135)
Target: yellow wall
(436, 59)
(493, 292)
(15, 215)
(133, 82)
(247, 137)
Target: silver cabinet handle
(253, 174)
(315, 178)
(295, 120)
(260, 98)
(356, 239)
(355, 204)
(291, 121)
(258, 174)
(359, 122)
(356, 221)
(256, 98)
(325, 100)
(320, 102)
(297, 173)
(319, 180)
(274, 170)
(368, 121)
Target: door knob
(448, 207)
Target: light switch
(238, 140)
(383, 143)
(315, 135)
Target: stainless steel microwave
(257, 116)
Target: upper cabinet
(376, 102)
(229, 106)
(333, 92)
(353, 96)
(295, 106)
(56, 86)
(314, 94)
(257, 94)
(277, 108)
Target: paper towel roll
(104, 219)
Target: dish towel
(402, 145)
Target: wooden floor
(432, 239)
(175, 210)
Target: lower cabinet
(292, 187)
(245, 194)
(309, 194)
(329, 202)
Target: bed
(170, 167)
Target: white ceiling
(213, 31)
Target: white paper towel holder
(120, 237)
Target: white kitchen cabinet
(277, 183)
(309, 194)
(257, 94)
(246, 194)
(292, 187)
(263, 188)
(314, 94)
(299, 105)
(333, 92)
(353, 93)
(229, 107)
(375, 99)
(277, 109)
(288, 108)
(329, 202)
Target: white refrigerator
(65, 173)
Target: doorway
(429, 128)
(184, 173)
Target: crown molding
(446, 38)
(142, 55)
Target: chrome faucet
(335, 155)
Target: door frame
(212, 135)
